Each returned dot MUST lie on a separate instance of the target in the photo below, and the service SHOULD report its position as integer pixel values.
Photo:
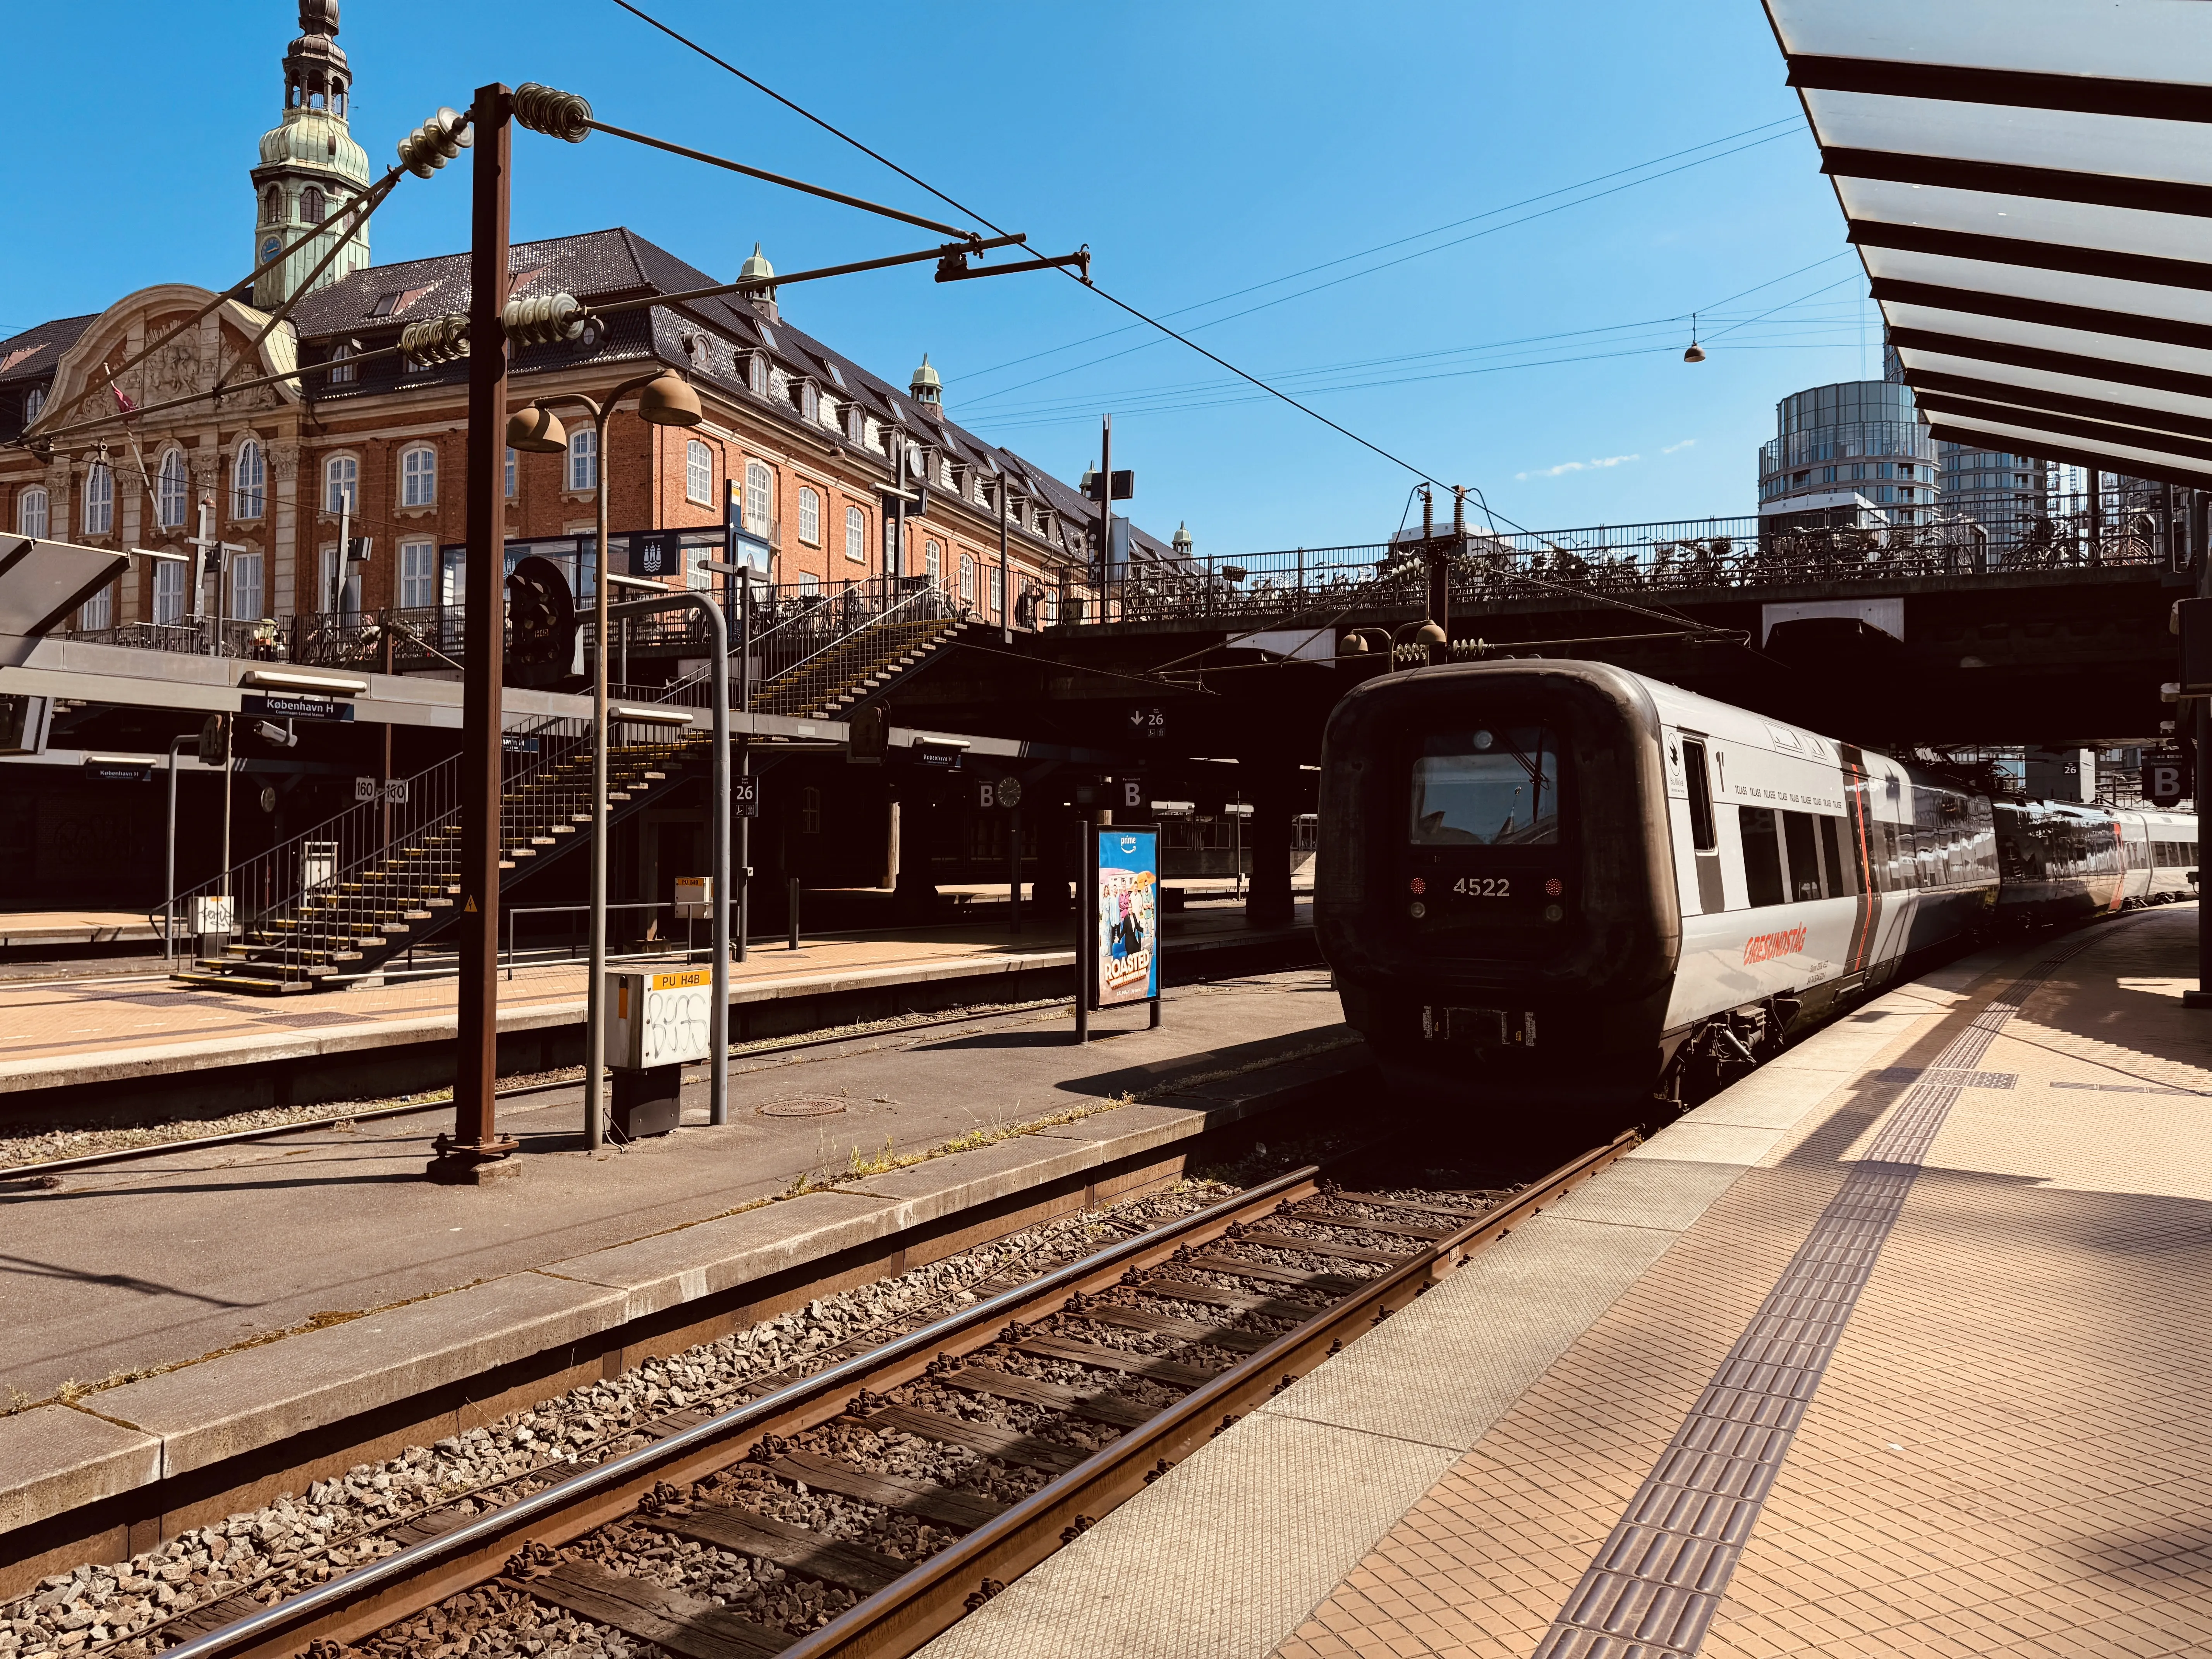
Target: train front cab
(1495, 890)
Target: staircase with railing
(339, 901)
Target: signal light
(1554, 887)
(435, 142)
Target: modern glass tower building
(1854, 454)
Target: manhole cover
(809, 1106)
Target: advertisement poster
(1128, 919)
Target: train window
(1762, 855)
(1804, 861)
(1494, 786)
(1704, 835)
(1832, 854)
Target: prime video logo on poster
(1128, 915)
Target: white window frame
(698, 472)
(341, 484)
(97, 612)
(418, 574)
(809, 515)
(583, 462)
(172, 489)
(99, 500)
(418, 476)
(856, 535)
(34, 513)
(247, 592)
(34, 404)
(933, 563)
(509, 476)
(967, 577)
(697, 578)
(760, 498)
(249, 481)
(998, 586)
(168, 591)
(808, 582)
(348, 374)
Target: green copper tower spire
(310, 167)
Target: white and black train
(1554, 872)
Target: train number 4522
(1484, 887)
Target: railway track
(864, 1508)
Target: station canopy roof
(2029, 182)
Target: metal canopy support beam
(1952, 430)
(2000, 179)
(2147, 268)
(475, 1151)
(2087, 94)
(2051, 362)
(2046, 313)
(2152, 423)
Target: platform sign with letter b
(2167, 780)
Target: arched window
(34, 401)
(756, 375)
(583, 458)
(98, 612)
(341, 484)
(760, 498)
(934, 563)
(99, 500)
(310, 205)
(966, 579)
(31, 516)
(418, 476)
(272, 204)
(173, 490)
(809, 583)
(698, 472)
(810, 518)
(856, 535)
(248, 474)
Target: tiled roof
(605, 265)
(32, 354)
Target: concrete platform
(1899, 1346)
(241, 1314)
(150, 1041)
(20, 928)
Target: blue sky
(1199, 149)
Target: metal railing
(1678, 558)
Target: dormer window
(344, 371)
(756, 375)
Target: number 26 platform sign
(1125, 929)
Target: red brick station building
(794, 458)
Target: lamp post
(667, 401)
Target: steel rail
(341, 1609)
(909, 1614)
(924, 1602)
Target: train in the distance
(1555, 872)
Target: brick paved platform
(1898, 1346)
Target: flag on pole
(122, 402)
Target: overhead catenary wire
(1384, 247)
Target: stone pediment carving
(178, 368)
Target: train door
(1705, 829)
(1864, 855)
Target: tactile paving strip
(1957, 1079)
(1653, 1587)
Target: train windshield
(1493, 787)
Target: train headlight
(1417, 909)
(1483, 740)
(1553, 913)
